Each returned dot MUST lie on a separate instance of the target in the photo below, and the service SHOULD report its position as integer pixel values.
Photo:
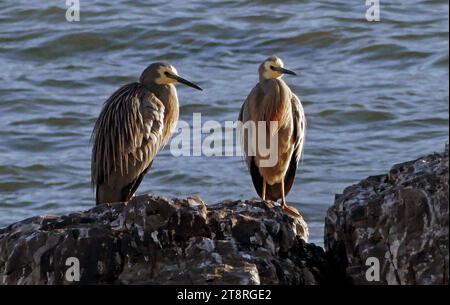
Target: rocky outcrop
(397, 222)
(400, 218)
(153, 240)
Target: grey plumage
(272, 100)
(134, 124)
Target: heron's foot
(291, 211)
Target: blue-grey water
(374, 93)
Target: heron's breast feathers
(277, 105)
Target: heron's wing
(299, 135)
(242, 119)
(247, 113)
(247, 117)
(298, 138)
(126, 136)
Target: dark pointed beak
(285, 71)
(186, 82)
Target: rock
(153, 240)
(400, 218)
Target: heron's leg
(290, 210)
(263, 193)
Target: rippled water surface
(374, 93)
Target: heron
(133, 126)
(271, 100)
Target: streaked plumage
(134, 124)
(272, 100)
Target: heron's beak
(285, 71)
(186, 82)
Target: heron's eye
(272, 67)
(167, 74)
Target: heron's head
(164, 74)
(273, 68)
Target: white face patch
(163, 79)
(271, 74)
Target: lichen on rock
(153, 240)
(400, 218)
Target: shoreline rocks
(400, 219)
(153, 240)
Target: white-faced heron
(272, 100)
(134, 124)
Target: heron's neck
(276, 104)
(167, 94)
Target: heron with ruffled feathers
(134, 124)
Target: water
(374, 93)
